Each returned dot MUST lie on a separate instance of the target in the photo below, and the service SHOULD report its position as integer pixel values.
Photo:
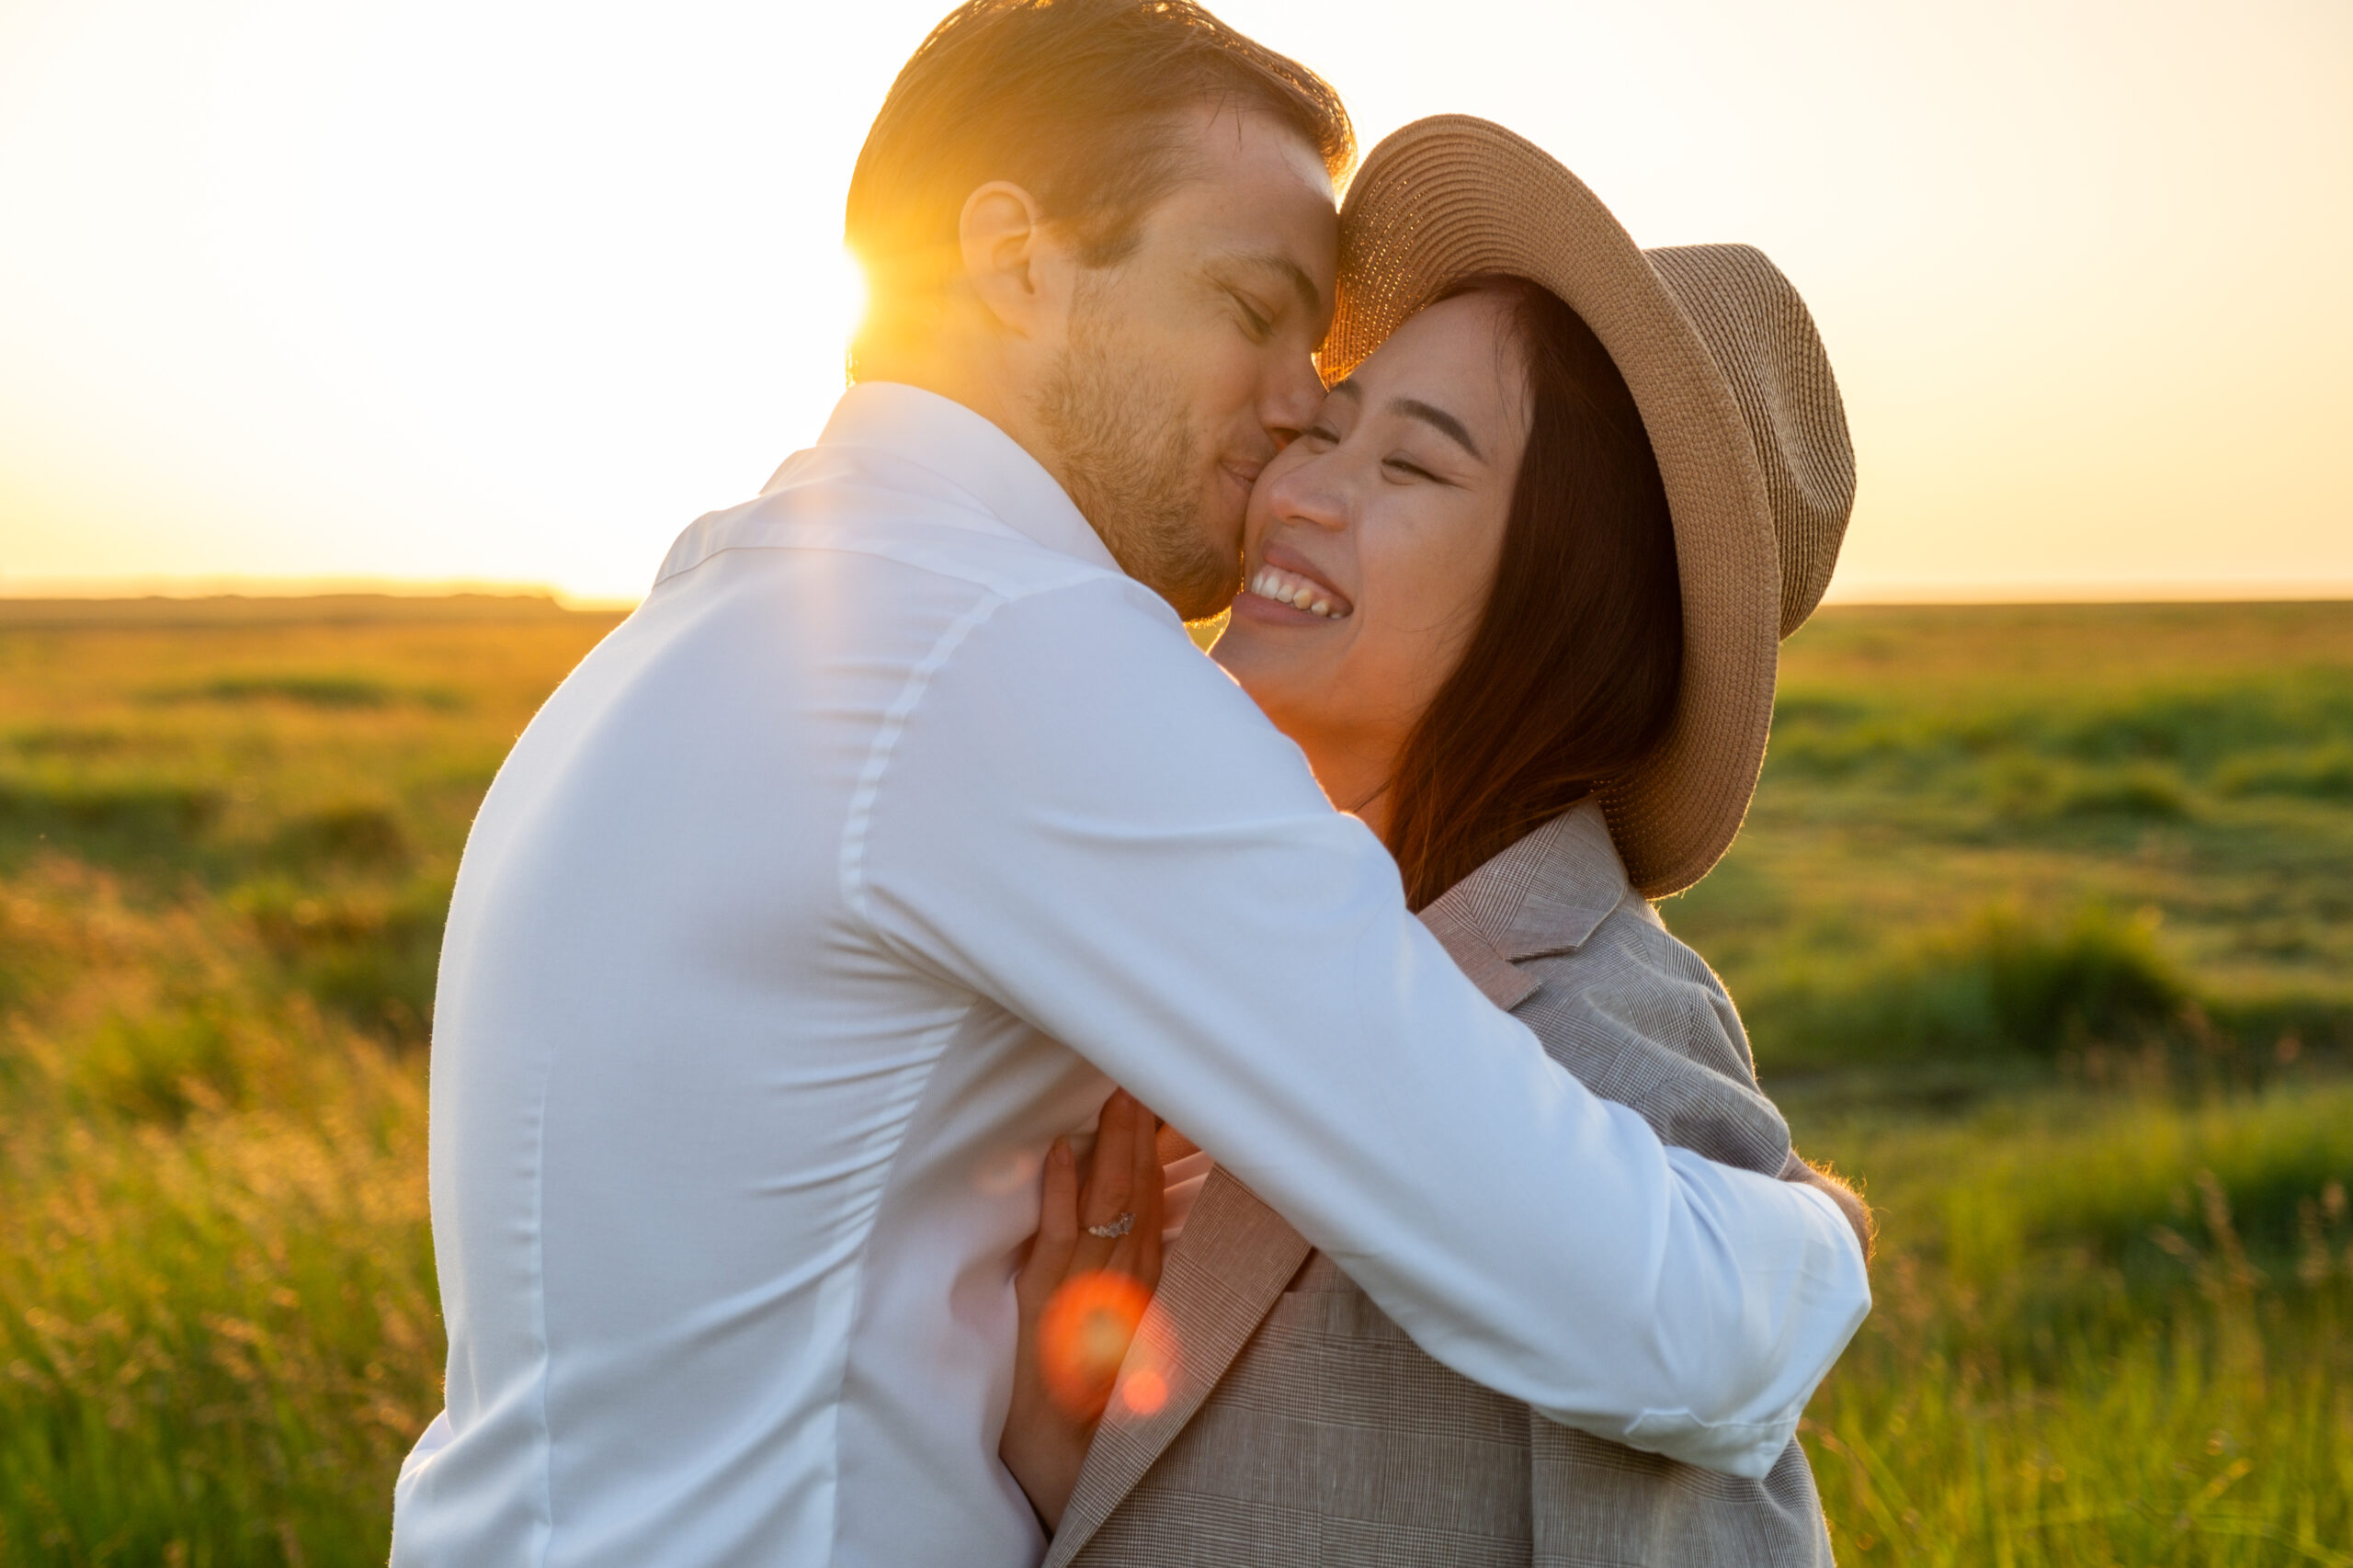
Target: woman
(1516, 595)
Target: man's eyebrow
(1437, 419)
(1292, 273)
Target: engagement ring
(1116, 1229)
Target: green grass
(226, 847)
(2043, 922)
(2110, 1330)
(1949, 791)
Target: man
(903, 817)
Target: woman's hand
(1081, 1293)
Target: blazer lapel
(1221, 1280)
(1228, 1269)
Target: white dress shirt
(893, 828)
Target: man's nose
(1307, 495)
(1293, 393)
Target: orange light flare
(1143, 1392)
(1084, 1335)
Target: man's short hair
(1078, 102)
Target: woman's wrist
(1044, 1461)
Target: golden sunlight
(840, 294)
(555, 282)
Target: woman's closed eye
(1403, 470)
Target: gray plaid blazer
(1302, 1427)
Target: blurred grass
(2142, 802)
(2042, 922)
(226, 847)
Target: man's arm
(1840, 1191)
(1087, 823)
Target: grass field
(2043, 923)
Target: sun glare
(844, 295)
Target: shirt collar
(949, 440)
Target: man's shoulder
(845, 501)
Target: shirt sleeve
(1086, 822)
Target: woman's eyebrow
(1429, 413)
(1439, 420)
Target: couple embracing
(781, 1214)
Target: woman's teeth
(1271, 583)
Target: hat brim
(1451, 196)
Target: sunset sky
(495, 291)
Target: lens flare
(1143, 1392)
(1084, 1335)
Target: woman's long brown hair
(1570, 677)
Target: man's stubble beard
(1134, 464)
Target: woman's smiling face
(1371, 540)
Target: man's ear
(1012, 261)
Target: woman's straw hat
(1738, 400)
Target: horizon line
(1890, 593)
(228, 585)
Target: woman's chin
(1271, 668)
